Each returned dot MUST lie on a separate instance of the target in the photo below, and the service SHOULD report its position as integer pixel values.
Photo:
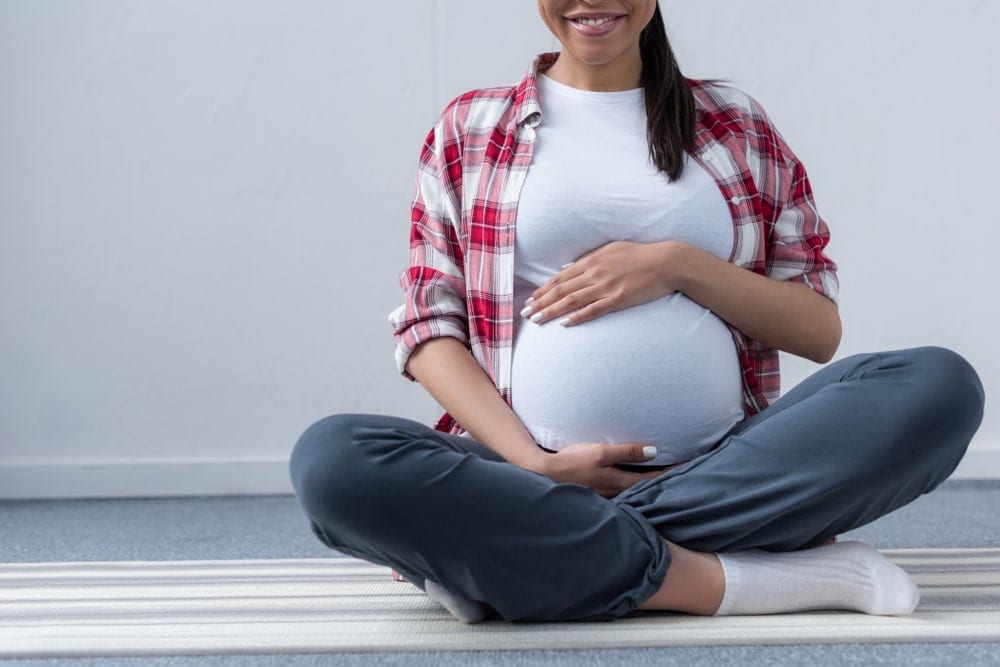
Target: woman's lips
(602, 27)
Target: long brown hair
(670, 111)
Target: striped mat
(342, 604)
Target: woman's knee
(951, 387)
(947, 408)
(325, 457)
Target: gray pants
(855, 441)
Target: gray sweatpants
(855, 441)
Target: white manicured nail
(526, 312)
(530, 300)
(564, 321)
(649, 451)
(565, 265)
(536, 317)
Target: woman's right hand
(592, 464)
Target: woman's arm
(446, 369)
(788, 316)
(784, 315)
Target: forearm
(448, 371)
(784, 315)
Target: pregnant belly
(664, 373)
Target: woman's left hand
(616, 276)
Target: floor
(959, 514)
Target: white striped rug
(342, 604)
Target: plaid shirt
(461, 277)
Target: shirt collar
(526, 96)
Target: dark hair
(670, 111)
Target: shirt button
(735, 201)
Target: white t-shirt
(665, 372)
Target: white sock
(846, 575)
(462, 608)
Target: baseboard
(125, 479)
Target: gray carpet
(959, 514)
(862, 655)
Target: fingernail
(536, 317)
(530, 300)
(565, 265)
(526, 311)
(564, 321)
(649, 451)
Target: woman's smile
(595, 25)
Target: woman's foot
(847, 575)
(462, 608)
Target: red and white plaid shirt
(461, 277)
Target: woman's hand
(592, 464)
(616, 276)
(787, 315)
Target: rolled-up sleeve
(798, 235)
(434, 303)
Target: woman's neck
(624, 73)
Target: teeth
(600, 21)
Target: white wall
(203, 206)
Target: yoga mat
(343, 604)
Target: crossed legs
(857, 440)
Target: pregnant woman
(606, 259)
